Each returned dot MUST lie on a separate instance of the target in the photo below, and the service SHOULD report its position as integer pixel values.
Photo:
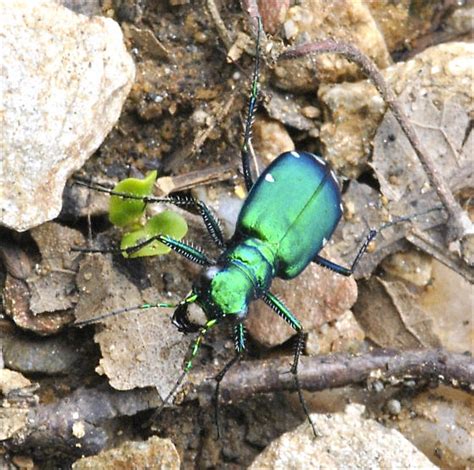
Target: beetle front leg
(239, 345)
(283, 311)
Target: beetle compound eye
(210, 273)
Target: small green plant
(130, 215)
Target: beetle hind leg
(325, 263)
(247, 149)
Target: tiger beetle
(291, 211)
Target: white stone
(348, 441)
(63, 81)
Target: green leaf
(166, 223)
(123, 212)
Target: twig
(168, 184)
(339, 370)
(77, 424)
(224, 34)
(459, 223)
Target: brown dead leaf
(391, 316)
(444, 131)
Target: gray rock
(348, 441)
(63, 82)
(50, 356)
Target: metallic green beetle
(290, 213)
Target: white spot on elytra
(295, 154)
(324, 241)
(269, 178)
(333, 176)
(320, 160)
(341, 207)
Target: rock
(440, 424)
(16, 298)
(85, 7)
(292, 110)
(11, 380)
(270, 140)
(412, 266)
(64, 80)
(403, 21)
(155, 453)
(41, 302)
(23, 462)
(12, 420)
(316, 20)
(273, 14)
(391, 315)
(394, 407)
(50, 356)
(342, 335)
(354, 110)
(460, 22)
(316, 296)
(348, 441)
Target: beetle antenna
(114, 313)
(189, 299)
(408, 218)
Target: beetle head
(222, 292)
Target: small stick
(169, 184)
(224, 34)
(339, 370)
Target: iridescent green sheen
(294, 208)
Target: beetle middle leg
(195, 347)
(283, 311)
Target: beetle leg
(184, 249)
(283, 311)
(254, 90)
(239, 345)
(189, 252)
(341, 269)
(211, 222)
